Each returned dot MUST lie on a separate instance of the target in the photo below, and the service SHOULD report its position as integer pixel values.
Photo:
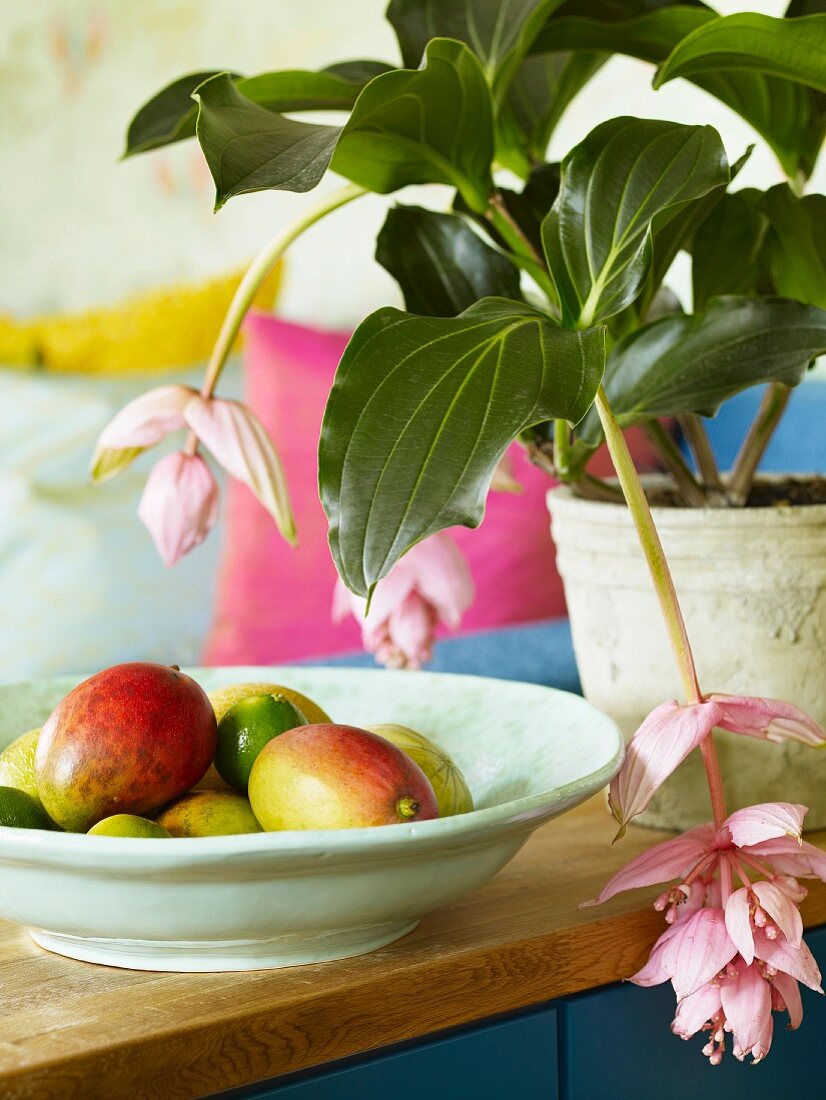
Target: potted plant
(520, 299)
(539, 313)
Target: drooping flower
(734, 955)
(228, 429)
(179, 505)
(671, 732)
(429, 585)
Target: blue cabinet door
(513, 1059)
(615, 1043)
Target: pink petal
(442, 576)
(411, 632)
(738, 924)
(695, 1010)
(772, 719)
(747, 1004)
(797, 961)
(239, 441)
(781, 909)
(390, 593)
(662, 742)
(653, 973)
(346, 603)
(664, 862)
(764, 822)
(699, 951)
(179, 505)
(791, 857)
(140, 424)
(789, 990)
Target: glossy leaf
(434, 125)
(167, 117)
(795, 249)
(627, 171)
(787, 115)
(789, 48)
(541, 90)
(499, 32)
(727, 248)
(249, 148)
(421, 411)
(691, 364)
(440, 263)
(170, 116)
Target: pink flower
(229, 429)
(671, 732)
(179, 505)
(429, 585)
(733, 955)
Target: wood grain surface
(71, 1029)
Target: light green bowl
(277, 899)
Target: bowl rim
(515, 815)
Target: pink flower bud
(179, 505)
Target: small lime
(246, 728)
(128, 825)
(19, 810)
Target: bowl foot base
(292, 949)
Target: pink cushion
(274, 602)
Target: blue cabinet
(514, 1058)
(611, 1043)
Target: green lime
(128, 825)
(246, 728)
(17, 764)
(19, 810)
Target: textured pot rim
(332, 846)
(562, 500)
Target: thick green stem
(772, 407)
(700, 445)
(562, 444)
(663, 584)
(669, 452)
(651, 546)
(524, 252)
(254, 277)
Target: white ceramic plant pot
(752, 584)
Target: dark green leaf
(627, 171)
(804, 7)
(421, 411)
(789, 116)
(249, 148)
(358, 72)
(440, 263)
(433, 125)
(527, 207)
(789, 48)
(541, 90)
(691, 364)
(168, 116)
(498, 31)
(726, 253)
(796, 244)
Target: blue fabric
(539, 653)
(798, 445)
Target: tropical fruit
(451, 790)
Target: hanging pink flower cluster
(429, 585)
(179, 505)
(733, 949)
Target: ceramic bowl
(277, 899)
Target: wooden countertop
(71, 1029)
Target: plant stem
(651, 546)
(698, 441)
(562, 443)
(664, 586)
(523, 250)
(586, 485)
(754, 446)
(253, 278)
(668, 450)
